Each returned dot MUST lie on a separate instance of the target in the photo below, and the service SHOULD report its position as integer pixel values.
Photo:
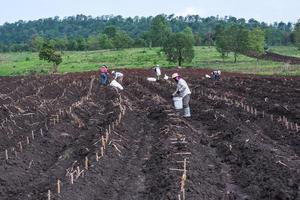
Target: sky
(268, 11)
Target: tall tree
(110, 31)
(188, 32)
(159, 30)
(197, 38)
(48, 53)
(256, 41)
(238, 40)
(61, 44)
(222, 41)
(81, 44)
(122, 40)
(37, 43)
(93, 42)
(105, 42)
(179, 48)
(296, 35)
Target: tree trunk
(235, 57)
(179, 58)
(55, 68)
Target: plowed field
(65, 137)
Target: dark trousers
(103, 79)
(216, 77)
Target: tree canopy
(239, 40)
(48, 53)
(179, 47)
(296, 35)
(159, 31)
(87, 33)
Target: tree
(122, 40)
(189, 33)
(105, 42)
(146, 36)
(222, 41)
(179, 48)
(71, 44)
(61, 44)
(110, 31)
(37, 43)
(197, 38)
(81, 44)
(140, 43)
(238, 40)
(159, 31)
(256, 41)
(48, 53)
(93, 43)
(296, 35)
(209, 39)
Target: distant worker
(118, 76)
(216, 75)
(103, 78)
(183, 91)
(157, 71)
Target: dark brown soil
(232, 152)
(276, 57)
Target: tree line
(77, 33)
(178, 46)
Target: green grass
(286, 50)
(205, 57)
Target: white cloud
(190, 10)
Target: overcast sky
(262, 10)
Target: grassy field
(286, 50)
(205, 57)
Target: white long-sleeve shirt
(157, 70)
(182, 88)
(118, 74)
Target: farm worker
(103, 75)
(216, 75)
(157, 71)
(183, 91)
(118, 76)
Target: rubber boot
(187, 112)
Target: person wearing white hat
(183, 91)
(118, 76)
